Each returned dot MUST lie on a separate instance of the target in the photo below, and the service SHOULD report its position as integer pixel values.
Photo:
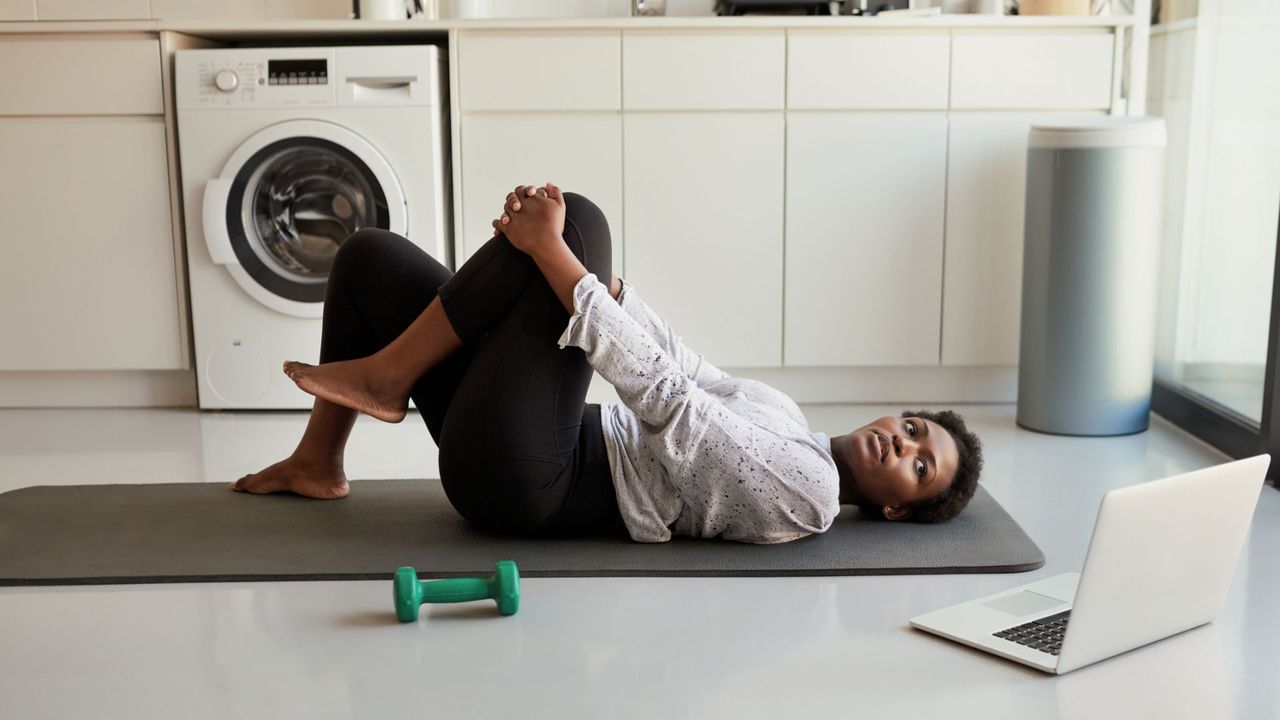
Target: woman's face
(897, 460)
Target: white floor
(596, 648)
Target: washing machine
(284, 153)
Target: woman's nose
(901, 444)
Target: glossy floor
(596, 648)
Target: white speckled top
(695, 451)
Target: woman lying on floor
(497, 358)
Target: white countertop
(224, 29)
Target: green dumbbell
(410, 592)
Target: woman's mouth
(880, 447)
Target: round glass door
(290, 208)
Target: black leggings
(521, 452)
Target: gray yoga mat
(203, 532)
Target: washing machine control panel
(263, 81)
(226, 80)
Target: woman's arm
(538, 231)
(555, 258)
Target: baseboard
(107, 388)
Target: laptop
(1160, 562)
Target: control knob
(226, 80)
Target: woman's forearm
(561, 268)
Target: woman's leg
(379, 285)
(486, 286)
(521, 452)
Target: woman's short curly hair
(964, 484)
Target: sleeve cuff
(625, 294)
(582, 293)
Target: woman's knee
(365, 246)
(585, 219)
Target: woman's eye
(920, 468)
(911, 428)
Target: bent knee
(364, 244)
(592, 229)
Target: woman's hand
(512, 205)
(533, 218)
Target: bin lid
(1095, 132)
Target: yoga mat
(203, 532)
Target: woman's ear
(896, 513)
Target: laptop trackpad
(1024, 603)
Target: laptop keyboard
(1044, 634)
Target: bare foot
(313, 480)
(356, 384)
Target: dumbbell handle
(454, 590)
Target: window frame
(1223, 428)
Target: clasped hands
(533, 218)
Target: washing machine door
(287, 199)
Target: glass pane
(303, 202)
(1213, 79)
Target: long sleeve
(694, 365)
(648, 380)
(732, 477)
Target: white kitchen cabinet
(87, 270)
(97, 75)
(540, 70)
(1067, 70)
(93, 9)
(704, 209)
(17, 10)
(580, 152)
(986, 202)
(840, 70)
(865, 199)
(703, 70)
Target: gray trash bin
(1091, 253)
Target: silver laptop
(1160, 562)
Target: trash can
(1090, 263)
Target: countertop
(222, 29)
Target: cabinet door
(87, 273)
(864, 237)
(552, 70)
(17, 9)
(704, 228)
(986, 199)
(1045, 69)
(581, 153)
(93, 9)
